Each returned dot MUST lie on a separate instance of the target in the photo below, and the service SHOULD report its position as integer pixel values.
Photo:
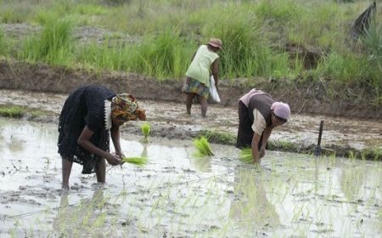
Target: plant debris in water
(203, 147)
(140, 161)
(246, 155)
(146, 128)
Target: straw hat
(217, 43)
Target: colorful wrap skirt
(195, 86)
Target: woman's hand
(113, 159)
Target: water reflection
(250, 207)
(351, 181)
(202, 164)
(83, 218)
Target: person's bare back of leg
(66, 169)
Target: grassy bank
(256, 37)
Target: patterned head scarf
(125, 106)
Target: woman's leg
(203, 105)
(244, 132)
(100, 170)
(66, 169)
(189, 98)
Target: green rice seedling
(12, 111)
(246, 155)
(146, 128)
(203, 147)
(140, 161)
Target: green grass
(12, 111)
(20, 111)
(3, 47)
(54, 45)
(162, 55)
(254, 35)
(219, 137)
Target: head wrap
(125, 106)
(281, 110)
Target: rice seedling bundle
(203, 147)
(140, 161)
(146, 128)
(246, 155)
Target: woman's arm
(255, 147)
(115, 135)
(267, 132)
(215, 71)
(84, 142)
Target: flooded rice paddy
(179, 195)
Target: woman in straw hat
(89, 113)
(259, 113)
(204, 63)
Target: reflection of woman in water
(79, 219)
(250, 206)
(86, 119)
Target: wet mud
(169, 120)
(179, 195)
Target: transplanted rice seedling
(140, 161)
(146, 128)
(246, 155)
(203, 147)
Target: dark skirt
(80, 108)
(245, 132)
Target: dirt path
(168, 119)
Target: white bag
(213, 91)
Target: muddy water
(169, 120)
(176, 194)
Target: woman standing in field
(89, 113)
(204, 63)
(259, 113)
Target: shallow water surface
(177, 194)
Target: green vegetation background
(165, 34)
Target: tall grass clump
(203, 147)
(345, 67)
(103, 56)
(319, 24)
(373, 44)
(246, 51)
(163, 55)
(53, 46)
(280, 11)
